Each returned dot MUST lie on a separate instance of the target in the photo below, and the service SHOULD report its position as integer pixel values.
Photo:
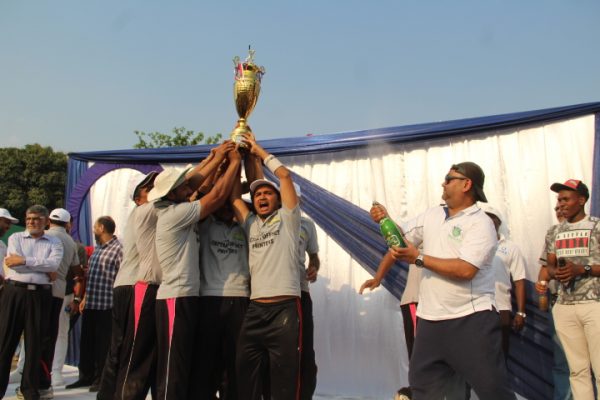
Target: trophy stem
(237, 135)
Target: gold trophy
(246, 89)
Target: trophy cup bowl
(246, 90)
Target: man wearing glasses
(26, 297)
(458, 329)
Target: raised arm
(289, 199)
(220, 192)
(239, 206)
(205, 168)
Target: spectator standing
(545, 284)
(509, 265)
(576, 243)
(96, 306)
(26, 298)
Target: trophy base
(237, 135)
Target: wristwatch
(419, 262)
(587, 270)
(521, 314)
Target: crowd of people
(206, 295)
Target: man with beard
(270, 335)
(96, 306)
(177, 304)
(26, 298)
(458, 332)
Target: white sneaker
(57, 379)
(15, 376)
(46, 394)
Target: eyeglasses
(450, 178)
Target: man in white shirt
(458, 330)
(26, 298)
(509, 265)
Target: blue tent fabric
(349, 140)
(79, 192)
(530, 359)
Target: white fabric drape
(359, 340)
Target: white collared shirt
(470, 236)
(42, 255)
(508, 262)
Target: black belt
(29, 286)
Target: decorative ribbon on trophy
(246, 90)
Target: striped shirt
(42, 255)
(104, 264)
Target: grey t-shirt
(177, 249)
(131, 259)
(70, 258)
(273, 253)
(579, 243)
(145, 241)
(223, 259)
(308, 244)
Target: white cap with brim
(166, 181)
(60, 214)
(261, 182)
(5, 214)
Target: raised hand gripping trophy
(246, 90)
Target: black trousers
(177, 336)
(308, 365)
(469, 347)
(23, 310)
(138, 374)
(49, 343)
(120, 345)
(409, 326)
(270, 342)
(220, 324)
(95, 343)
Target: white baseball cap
(5, 214)
(260, 182)
(166, 181)
(60, 214)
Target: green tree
(31, 175)
(178, 137)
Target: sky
(84, 75)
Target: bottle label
(393, 240)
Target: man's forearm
(454, 268)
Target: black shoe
(95, 387)
(79, 383)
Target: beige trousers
(578, 328)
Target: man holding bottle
(458, 330)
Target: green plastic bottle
(390, 231)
